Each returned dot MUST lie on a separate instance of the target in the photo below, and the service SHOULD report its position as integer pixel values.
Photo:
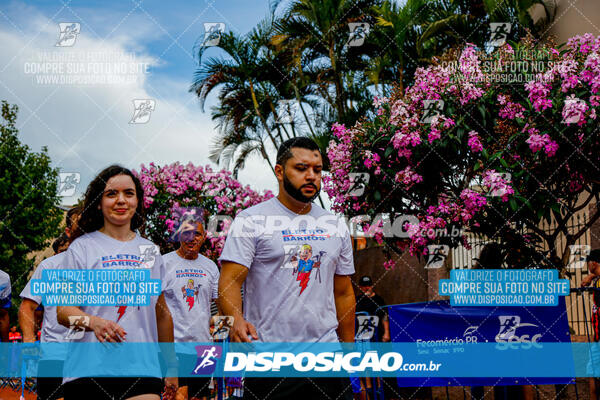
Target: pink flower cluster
(340, 158)
(399, 126)
(372, 160)
(408, 177)
(497, 185)
(538, 142)
(459, 212)
(538, 95)
(474, 142)
(177, 186)
(510, 110)
(574, 111)
(591, 72)
(584, 44)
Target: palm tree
(456, 22)
(394, 39)
(303, 58)
(316, 34)
(243, 111)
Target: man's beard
(296, 193)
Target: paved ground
(8, 394)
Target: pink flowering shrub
(171, 190)
(495, 158)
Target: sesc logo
(507, 334)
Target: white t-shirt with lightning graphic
(189, 287)
(97, 250)
(292, 260)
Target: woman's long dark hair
(91, 217)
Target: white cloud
(86, 126)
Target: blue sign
(504, 287)
(435, 326)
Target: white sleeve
(26, 293)
(5, 290)
(345, 264)
(75, 256)
(215, 284)
(166, 278)
(240, 245)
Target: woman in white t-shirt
(106, 240)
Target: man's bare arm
(231, 280)
(4, 324)
(345, 305)
(105, 330)
(27, 320)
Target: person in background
(14, 336)
(48, 388)
(371, 303)
(593, 280)
(61, 244)
(191, 284)
(72, 219)
(367, 301)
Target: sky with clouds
(78, 100)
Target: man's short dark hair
(594, 256)
(284, 152)
(72, 211)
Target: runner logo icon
(207, 359)
(148, 253)
(508, 329)
(367, 325)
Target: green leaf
(449, 25)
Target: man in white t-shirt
(295, 260)
(191, 283)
